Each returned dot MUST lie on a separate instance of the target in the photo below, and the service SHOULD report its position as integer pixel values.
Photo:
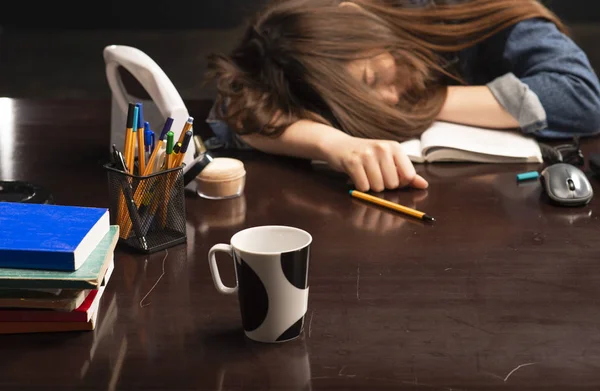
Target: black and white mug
(271, 268)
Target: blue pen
(166, 129)
(140, 115)
(131, 157)
(141, 136)
(147, 136)
(136, 112)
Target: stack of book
(55, 263)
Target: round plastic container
(223, 178)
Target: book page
(453, 139)
(412, 148)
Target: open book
(449, 142)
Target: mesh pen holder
(150, 210)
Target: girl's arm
(371, 164)
(476, 106)
(546, 84)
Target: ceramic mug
(271, 268)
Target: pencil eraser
(528, 176)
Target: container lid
(222, 169)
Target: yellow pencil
(391, 205)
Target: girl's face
(379, 74)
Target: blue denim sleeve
(224, 136)
(559, 73)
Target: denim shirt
(537, 73)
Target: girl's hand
(371, 164)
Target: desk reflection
(274, 366)
(104, 333)
(209, 214)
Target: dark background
(53, 49)
(178, 14)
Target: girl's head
(369, 68)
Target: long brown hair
(290, 64)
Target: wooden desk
(502, 282)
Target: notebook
(449, 142)
(66, 300)
(90, 275)
(83, 313)
(48, 327)
(50, 237)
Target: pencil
(391, 205)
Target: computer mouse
(566, 185)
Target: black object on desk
(595, 163)
(565, 153)
(24, 192)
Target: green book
(89, 276)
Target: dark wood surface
(501, 293)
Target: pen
(391, 205)
(175, 161)
(183, 148)
(176, 148)
(119, 163)
(130, 158)
(119, 160)
(161, 139)
(129, 131)
(134, 217)
(141, 142)
(147, 141)
(128, 202)
(187, 126)
(169, 151)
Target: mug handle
(214, 269)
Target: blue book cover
(91, 275)
(50, 237)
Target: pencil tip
(350, 192)
(428, 218)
